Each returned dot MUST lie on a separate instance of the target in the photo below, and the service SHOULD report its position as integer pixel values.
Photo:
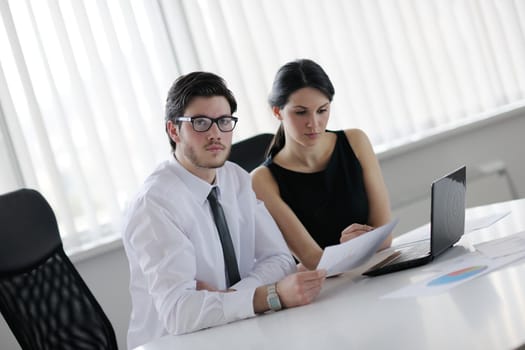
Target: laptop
(447, 225)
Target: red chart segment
(457, 275)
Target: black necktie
(230, 262)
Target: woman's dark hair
(189, 86)
(291, 77)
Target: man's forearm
(260, 304)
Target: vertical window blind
(83, 83)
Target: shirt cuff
(239, 304)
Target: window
(83, 83)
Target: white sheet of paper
(355, 252)
(483, 222)
(504, 246)
(453, 273)
(471, 224)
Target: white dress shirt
(171, 241)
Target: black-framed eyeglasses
(202, 123)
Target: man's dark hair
(189, 86)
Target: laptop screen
(448, 210)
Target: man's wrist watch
(274, 303)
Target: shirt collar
(200, 188)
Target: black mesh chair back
(250, 153)
(43, 299)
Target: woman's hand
(354, 231)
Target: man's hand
(301, 268)
(201, 285)
(300, 288)
(354, 231)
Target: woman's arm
(302, 245)
(377, 192)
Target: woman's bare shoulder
(261, 172)
(263, 182)
(359, 141)
(356, 134)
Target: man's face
(202, 152)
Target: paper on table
(471, 224)
(355, 252)
(483, 222)
(503, 246)
(453, 273)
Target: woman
(321, 187)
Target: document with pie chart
(453, 273)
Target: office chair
(43, 299)
(249, 153)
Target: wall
(8, 175)
(496, 142)
(408, 172)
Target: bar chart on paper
(453, 273)
(457, 275)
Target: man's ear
(173, 131)
(277, 112)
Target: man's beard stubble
(189, 152)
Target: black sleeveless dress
(328, 201)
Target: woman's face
(305, 115)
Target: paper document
(471, 224)
(355, 252)
(483, 222)
(503, 246)
(450, 274)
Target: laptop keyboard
(413, 252)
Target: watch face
(273, 300)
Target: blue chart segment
(457, 275)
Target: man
(186, 272)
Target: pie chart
(458, 275)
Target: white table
(485, 313)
